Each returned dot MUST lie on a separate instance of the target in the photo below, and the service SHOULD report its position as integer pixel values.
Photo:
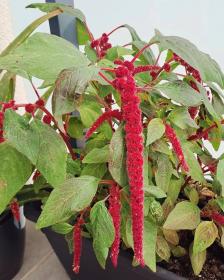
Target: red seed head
(47, 119)
(166, 67)
(1, 119)
(121, 71)
(94, 43)
(129, 65)
(40, 103)
(14, 206)
(29, 108)
(77, 241)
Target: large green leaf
(149, 241)
(72, 196)
(219, 174)
(205, 234)
(97, 155)
(181, 118)
(208, 68)
(181, 92)
(117, 161)
(49, 7)
(155, 130)
(164, 172)
(43, 56)
(197, 260)
(70, 85)
(98, 169)
(185, 215)
(102, 230)
(14, 172)
(40, 144)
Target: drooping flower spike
(115, 211)
(77, 241)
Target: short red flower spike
(218, 218)
(14, 206)
(104, 117)
(40, 103)
(115, 211)
(29, 108)
(172, 137)
(101, 45)
(77, 241)
(36, 175)
(47, 119)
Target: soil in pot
(12, 245)
(213, 268)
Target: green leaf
(7, 87)
(147, 53)
(194, 168)
(155, 191)
(205, 235)
(155, 130)
(149, 241)
(33, 57)
(72, 196)
(197, 260)
(70, 85)
(40, 144)
(82, 34)
(219, 174)
(117, 52)
(102, 230)
(185, 215)
(181, 92)
(181, 118)
(75, 128)
(28, 31)
(208, 68)
(164, 172)
(162, 248)
(89, 112)
(49, 7)
(171, 236)
(97, 155)
(14, 172)
(98, 170)
(117, 161)
(162, 147)
(174, 189)
(63, 228)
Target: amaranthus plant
(145, 177)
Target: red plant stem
(106, 182)
(89, 32)
(141, 51)
(108, 69)
(126, 45)
(105, 78)
(115, 29)
(34, 88)
(158, 57)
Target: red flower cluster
(47, 119)
(105, 116)
(14, 206)
(101, 45)
(172, 137)
(193, 111)
(30, 108)
(145, 68)
(36, 175)
(114, 209)
(190, 70)
(131, 113)
(218, 218)
(77, 241)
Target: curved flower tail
(115, 209)
(14, 206)
(171, 135)
(104, 117)
(77, 241)
(218, 218)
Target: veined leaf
(97, 155)
(155, 130)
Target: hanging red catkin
(171, 135)
(77, 241)
(114, 209)
(14, 206)
(104, 117)
(131, 114)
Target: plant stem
(106, 79)
(115, 29)
(142, 50)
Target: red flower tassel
(218, 218)
(131, 114)
(14, 206)
(171, 135)
(105, 116)
(114, 209)
(77, 241)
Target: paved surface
(40, 261)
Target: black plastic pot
(89, 265)
(12, 245)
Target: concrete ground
(40, 261)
